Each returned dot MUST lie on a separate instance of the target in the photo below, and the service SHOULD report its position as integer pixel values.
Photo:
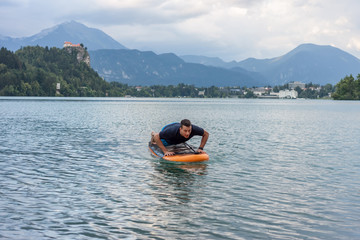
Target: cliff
(82, 54)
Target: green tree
(326, 90)
(348, 89)
(299, 90)
(9, 59)
(250, 94)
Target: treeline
(36, 71)
(348, 89)
(311, 90)
(184, 90)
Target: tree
(298, 89)
(348, 89)
(325, 90)
(10, 59)
(250, 94)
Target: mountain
(131, 66)
(209, 61)
(72, 31)
(306, 63)
(147, 68)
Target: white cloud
(354, 43)
(230, 29)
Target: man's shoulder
(169, 131)
(197, 130)
(172, 126)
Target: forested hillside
(35, 71)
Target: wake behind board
(183, 153)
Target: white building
(288, 94)
(259, 91)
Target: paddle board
(183, 153)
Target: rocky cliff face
(81, 54)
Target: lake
(79, 168)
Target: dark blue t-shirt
(171, 133)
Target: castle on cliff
(69, 44)
(81, 54)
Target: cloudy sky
(229, 29)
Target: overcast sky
(229, 29)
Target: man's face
(185, 131)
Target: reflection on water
(181, 169)
(198, 169)
(176, 182)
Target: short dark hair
(185, 122)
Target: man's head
(185, 128)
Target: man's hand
(168, 153)
(158, 142)
(200, 150)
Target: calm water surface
(80, 169)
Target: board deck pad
(183, 153)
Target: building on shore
(201, 93)
(259, 91)
(290, 94)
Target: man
(176, 133)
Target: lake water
(79, 168)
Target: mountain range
(135, 67)
(306, 63)
(114, 62)
(69, 31)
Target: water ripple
(81, 170)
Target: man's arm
(161, 145)
(204, 139)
